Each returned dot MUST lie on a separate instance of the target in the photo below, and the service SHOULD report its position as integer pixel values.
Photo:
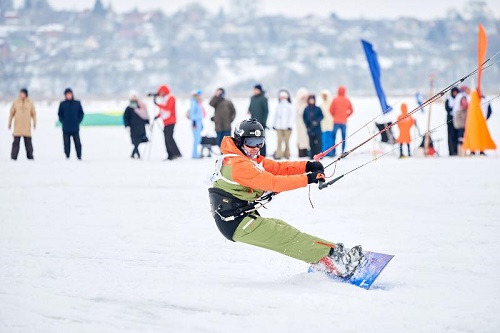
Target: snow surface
(112, 244)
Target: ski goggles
(254, 142)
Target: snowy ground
(112, 244)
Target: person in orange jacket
(340, 109)
(405, 123)
(244, 181)
(166, 109)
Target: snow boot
(340, 263)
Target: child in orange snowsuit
(405, 123)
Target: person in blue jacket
(71, 115)
(312, 118)
(196, 117)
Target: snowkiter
(244, 181)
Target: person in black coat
(312, 118)
(452, 132)
(136, 117)
(71, 115)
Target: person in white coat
(283, 123)
(302, 137)
(327, 122)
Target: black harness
(228, 211)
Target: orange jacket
(167, 109)
(405, 123)
(258, 175)
(341, 107)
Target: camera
(152, 94)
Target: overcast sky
(423, 9)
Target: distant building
(38, 5)
(99, 9)
(244, 9)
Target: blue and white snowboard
(367, 273)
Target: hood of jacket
(302, 94)
(163, 90)
(341, 91)
(404, 109)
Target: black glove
(315, 177)
(212, 118)
(194, 124)
(313, 166)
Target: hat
(455, 89)
(222, 92)
(67, 90)
(132, 94)
(197, 92)
(259, 86)
(464, 88)
(24, 90)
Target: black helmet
(250, 129)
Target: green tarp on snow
(101, 119)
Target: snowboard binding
(340, 263)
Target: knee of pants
(259, 228)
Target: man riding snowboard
(244, 181)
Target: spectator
(340, 109)
(166, 105)
(224, 114)
(302, 138)
(135, 118)
(22, 112)
(327, 122)
(452, 132)
(460, 106)
(405, 123)
(312, 118)
(196, 117)
(71, 115)
(259, 109)
(283, 123)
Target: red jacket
(167, 108)
(341, 107)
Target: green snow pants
(276, 235)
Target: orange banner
(482, 45)
(477, 136)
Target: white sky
(423, 9)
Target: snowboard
(366, 273)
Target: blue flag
(371, 57)
(420, 101)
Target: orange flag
(477, 136)
(482, 45)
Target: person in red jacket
(340, 109)
(166, 107)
